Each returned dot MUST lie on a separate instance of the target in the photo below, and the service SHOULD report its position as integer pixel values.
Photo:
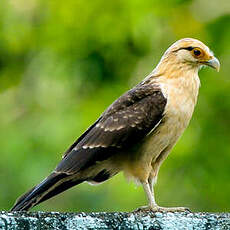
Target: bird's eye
(197, 52)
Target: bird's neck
(179, 77)
(176, 68)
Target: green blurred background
(63, 63)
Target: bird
(136, 133)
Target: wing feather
(129, 119)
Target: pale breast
(181, 99)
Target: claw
(161, 209)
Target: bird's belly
(140, 162)
(175, 121)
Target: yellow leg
(152, 205)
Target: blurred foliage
(63, 63)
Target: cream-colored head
(187, 54)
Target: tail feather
(51, 186)
(60, 188)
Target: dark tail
(54, 184)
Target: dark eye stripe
(188, 48)
(185, 48)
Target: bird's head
(188, 54)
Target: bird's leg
(150, 195)
(151, 183)
(152, 205)
(149, 189)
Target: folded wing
(128, 120)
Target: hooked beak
(214, 63)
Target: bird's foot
(161, 209)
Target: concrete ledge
(134, 220)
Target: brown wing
(121, 126)
(129, 119)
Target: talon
(173, 209)
(143, 209)
(161, 209)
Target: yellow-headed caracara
(136, 133)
